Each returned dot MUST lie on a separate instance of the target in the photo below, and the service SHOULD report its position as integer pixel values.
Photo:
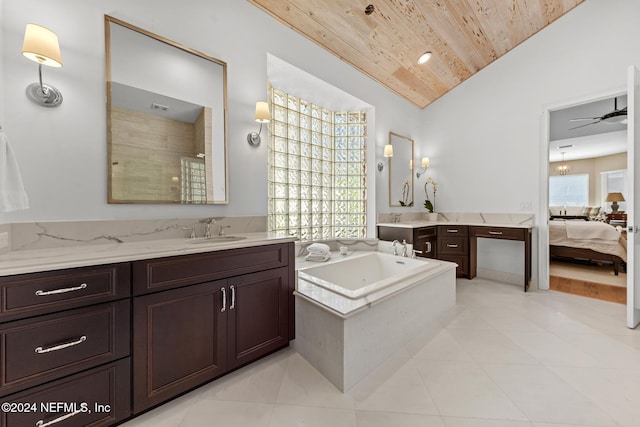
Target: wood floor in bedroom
(592, 280)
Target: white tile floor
(503, 359)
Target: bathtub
(366, 273)
(354, 313)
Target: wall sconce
(425, 164)
(262, 116)
(388, 152)
(41, 45)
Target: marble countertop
(419, 224)
(36, 260)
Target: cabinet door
(179, 341)
(258, 315)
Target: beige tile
(476, 422)
(544, 397)
(617, 391)
(297, 416)
(259, 382)
(550, 349)
(491, 346)
(387, 419)
(237, 414)
(443, 347)
(463, 389)
(402, 390)
(303, 385)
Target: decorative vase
(432, 216)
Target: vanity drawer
(506, 233)
(48, 347)
(453, 245)
(453, 230)
(104, 394)
(173, 272)
(32, 294)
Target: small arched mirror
(166, 120)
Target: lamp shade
(425, 162)
(614, 197)
(41, 45)
(388, 150)
(262, 112)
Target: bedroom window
(317, 174)
(613, 182)
(569, 190)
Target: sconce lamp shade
(262, 112)
(425, 162)
(615, 197)
(41, 45)
(388, 150)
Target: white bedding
(597, 236)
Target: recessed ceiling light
(424, 57)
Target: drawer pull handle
(428, 247)
(224, 300)
(233, 297)
(42, 350)
(496, 233)
(451, 245)
(452, 230)
(41, 423)
(42, 293)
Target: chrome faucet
(404, 248)
(207, 226)
(221, 229)
(395, 248)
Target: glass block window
(317, 170)
(193, 188)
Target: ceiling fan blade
(585, 118)
(581, 126)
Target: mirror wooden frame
(210, 148)
(401, 171)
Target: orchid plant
(428, 203)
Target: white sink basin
(218, 239)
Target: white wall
(62, 152)
(484, 136)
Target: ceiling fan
(614, 117)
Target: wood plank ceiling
(463, 35)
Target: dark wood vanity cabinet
(65, 337)
(186, 336)
(453, 245)
(111, 341)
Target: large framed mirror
(166, 120)
(401, 171)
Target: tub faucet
(404, 248)
(395, 248)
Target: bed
(587, 240)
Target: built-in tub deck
(354, 313)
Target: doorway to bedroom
(587, 195)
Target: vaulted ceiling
(464, 36)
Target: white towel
(318, 248)
(12, 194)
(317, 257)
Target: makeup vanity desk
(458, 241)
